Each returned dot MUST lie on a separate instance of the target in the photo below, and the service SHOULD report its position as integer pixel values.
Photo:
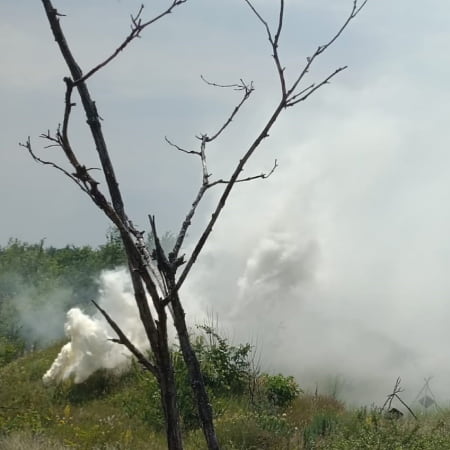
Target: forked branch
(137, 25)
(29, 148)
(356, 9)
(274, 40)
(246, 88)
(395, 395)
(261, 176)
(290, 96)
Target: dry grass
(27, 441)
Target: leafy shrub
(280, 390)
(226, 370)
(225, 367)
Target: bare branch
(127, 343)
(247, 89)
(136, 28)
(275, 55)
(68, 108)
(302, 92)
(262, 176)
(258, 15)
(73, 177)
(397, 390)
(224, 197)
(190, 152)
(173, 255)
(235, 86)
(309, 61)
(86, 183)
(204, 138)
(274, 41)
(186, 223)
(311, 89)
(354, 12)
(159, 255)
(407, 407)
(280, 23)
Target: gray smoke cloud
(35, 314)
(337, 265)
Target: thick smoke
(338, 270)
(90, 347)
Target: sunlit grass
(121, 412)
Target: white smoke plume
(90, 347)
(339, 270)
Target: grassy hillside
(122, 412)
(253, 411)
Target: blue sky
(359, 203)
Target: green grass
(122, 412)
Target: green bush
(226, 371)
(280, 390)
(226, 368)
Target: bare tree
(159, 276)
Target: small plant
(10, 350)
(280, 390)
(321, 426)
(143, 400)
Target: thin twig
(258, 15)
(136, 28)
(262, 176)
(311, 89)
(274, 41)
(28, 147)
(235, 86)
(248, 89)
(321, 48)
(190, 152)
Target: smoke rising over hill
(336, 267)
(90, 347)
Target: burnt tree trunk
(168, 388)
(195, 375)
(156, 333)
